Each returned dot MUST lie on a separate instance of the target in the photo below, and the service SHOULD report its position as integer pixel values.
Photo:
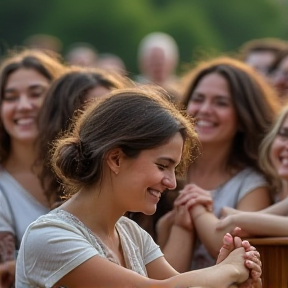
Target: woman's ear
(113, 159)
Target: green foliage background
(117, 26)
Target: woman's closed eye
(283, 134)
(38, 91)
(196, 98)
(10, 97)
(222, 103)
(162, 167)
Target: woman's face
(23, 96)
(97, 92)
(212, 107)
(142, 180)
(279, 151)
(280, 78)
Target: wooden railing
(274, 257)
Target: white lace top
(58, 242)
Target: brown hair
(132, 119)
(31, 59)
(67, 96)
(255, 101)
(274, 45)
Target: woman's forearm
(179, 247)
(217, 276)
(279, 208)
(260, 224)
(205, 224)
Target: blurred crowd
(238, 106)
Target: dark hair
(274, 45)
(39, 61)
(133, 119)
(255, 101)
(275, 64)
(65, 98)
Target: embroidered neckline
(73, 219)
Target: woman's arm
(108, 274)
(7, 256)
(255, 200)
(257, 224)
(7, 274)
(178, 246)
(279, 208)
(7, 247)
(205, 223)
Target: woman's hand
(229, 223)
(192, 195)
(182, 217)
(7, 274)
(251, 256)
(226, 211)
(179, 216)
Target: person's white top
(58, 242)
(18, 208)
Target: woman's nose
(205, 107)
(24, 103)
(170, 181)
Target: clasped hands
(192, 196)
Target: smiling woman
(69, 94)
(120, 156)
(25, 90)
(24, 80)
(233, 107)
(274, 159)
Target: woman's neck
(210, 169)
(95, 208)
(21, 158)
(20, 164)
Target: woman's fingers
(226, 211)
(257, 283)
(254, 256)
(224, 223)
(226, 249)
(182, 199)
(202, 200)
(248, 247)
(256, 270)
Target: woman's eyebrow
(170, 160)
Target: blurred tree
(117, 26)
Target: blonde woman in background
(273, 220)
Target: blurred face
(279, 151)
(97, 92)
(280, 78)
(23, 97)
(156, 66)
(82, 57)
(260, 60)
(148, 175)
(211, 104)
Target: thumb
(222, 224)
